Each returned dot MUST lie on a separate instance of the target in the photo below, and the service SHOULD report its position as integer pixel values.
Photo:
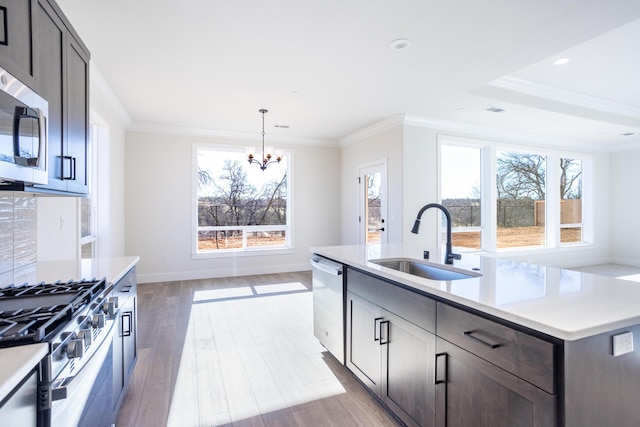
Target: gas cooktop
(34, 313)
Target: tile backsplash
(18, 237)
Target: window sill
(242, 253)
(514, 252)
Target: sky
(460, 172)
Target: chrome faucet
(449, 256)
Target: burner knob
(110, 306)
(86, 336)
(75, 348)
(97, 321)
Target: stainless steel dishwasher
(328, 304)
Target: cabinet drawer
(417, 309)
(529, 358)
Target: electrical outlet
(622, 343)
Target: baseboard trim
(219, 272)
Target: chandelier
(269, 155)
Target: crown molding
(228, 135)
(527, 87)
(374, 129)
(631, 146)
(101, 91)
(469, 130)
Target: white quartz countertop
(94, 268)
(16, 363)
(565, 304)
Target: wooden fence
(570, 212)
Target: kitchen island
(544, 335)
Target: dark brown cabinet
(433, 364)
(16, 44)
(393, 355)
(474, 392)
(62, 78)
(124, 342)
(491, 375)
(44, 52)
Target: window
(461, 177)
(88, 226)
(239, 207)
(571, 227)
(525, 199)
(520, 186)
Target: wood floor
(239, 352)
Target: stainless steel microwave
(23, 132)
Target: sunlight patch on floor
(249, 356)
(225, 293)
(279, 288)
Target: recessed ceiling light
(627, 134)
(561, 61)
(461, 109)
(400, 44)
(293, 92)
(495, 110)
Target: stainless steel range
(78, 322)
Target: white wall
(624, 206)
(421, 187)
(159, 209)
(58, 228)
(112, 121)
(412, 153)
(384, 145)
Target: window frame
(92, 196)
(488, 193)
(288, 248)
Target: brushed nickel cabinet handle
(481, 341)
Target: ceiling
(325, 69)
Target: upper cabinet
(62, 78)
(54, 61)
(16, 44)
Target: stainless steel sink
(425, 269)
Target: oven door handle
(59, 392)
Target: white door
(372, 179)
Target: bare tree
(236, 202)
(521, 176)
(204, 178)
(570, 179)
(235, 192)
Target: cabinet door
(74, 164)
(408, 362)
(16, 46)
(49, 37)
(129, 338)
(473, 392)
(62, 78)
(363, 340)
(118, 378)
